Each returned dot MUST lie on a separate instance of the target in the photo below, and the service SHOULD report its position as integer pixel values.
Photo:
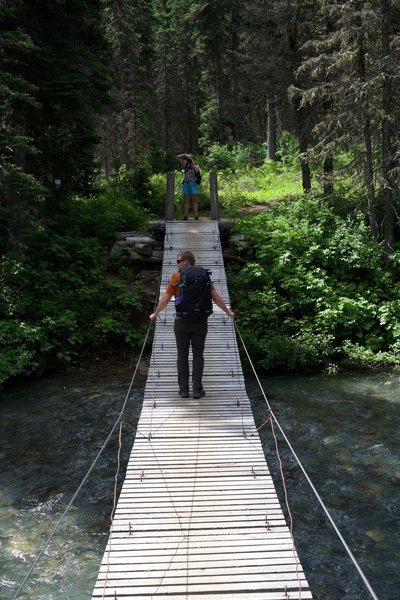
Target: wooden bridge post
(214, 196)
(169, 208)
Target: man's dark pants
(186, 335)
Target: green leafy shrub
(58, 305)
(317, 290)
(233, 157)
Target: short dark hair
(187, 255)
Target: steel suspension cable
(325, 509)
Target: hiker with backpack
(190, 184)
(194, 292)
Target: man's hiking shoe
(183, 394)
(198, 394)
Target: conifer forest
(295, 105)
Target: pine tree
(127, 128)
(274, 37)
(65, 66)
(20, 192)
(177, 76)
(353, 72)
(218, 25)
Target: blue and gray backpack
(194, 302)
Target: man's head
(185, 258)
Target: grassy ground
(246, 187)
(269, 183)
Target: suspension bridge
(198, 516)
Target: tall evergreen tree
(177, 76)
(218, 24)
(65, 70)
(353, 72)
(127, 129)
(390, 29)
(275, 34)
(20, 192)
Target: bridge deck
(198, 516)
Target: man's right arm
(161, 305)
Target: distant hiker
(190, 325)
(190, 184)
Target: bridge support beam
(169, 207)
(214, 196)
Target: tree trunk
(369, 180)
(218, 93)
(303, 147)
(368, 167)
(387, 145)
(328, 175)
(189, 135)
(271, 127)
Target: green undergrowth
(257, 185)
(312, 290)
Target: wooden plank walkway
(198, 516)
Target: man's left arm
(219, 302)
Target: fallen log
(159, 229)
(144, 249)
(156, 224)
(155, 259)
(122, 235)
(141, 239)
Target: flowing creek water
(345, 431)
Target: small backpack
(194, 303)
(197, 173)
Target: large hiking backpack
(194, 303)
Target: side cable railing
(118, 421)
(321, 502)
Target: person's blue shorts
(190, 188)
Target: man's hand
(153, 316)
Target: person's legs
(199, 333)
(186, 206)
(182, 337)
(195, 204)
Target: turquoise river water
(345, 430)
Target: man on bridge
(188, 332)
